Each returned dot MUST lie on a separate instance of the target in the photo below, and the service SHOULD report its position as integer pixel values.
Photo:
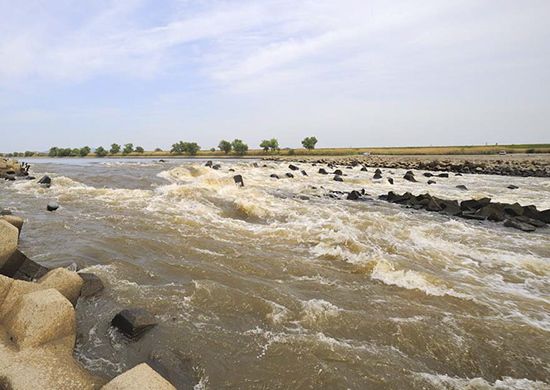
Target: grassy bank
(413, 150)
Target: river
(277, 286)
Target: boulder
(338, 172)
(238, 180)
(450, 207)
(52, 206)
(46, 180)
(141, 377)
(390, 180)
(304, 173)
(354, 195)
(377, 176)
(273, 175)
(92, 285)
(512, 187)
(431, 182)
(40, 317)
(9, 238)
(133, 322)
(513, 209)
(427, 174)
(524, 227)
(433, 205)
(493, 212)
(289, 175)
(5, 212)
(216, 167)
(462, 187)
(231, 170)
(443, 175)
(410, 177)
(323, 171)
(338, 178)
(15, 221)
(66, 282)
(364, 169)
(293, 167)
(378, 171)
(474, 204)
(20, 267)
(530, 221)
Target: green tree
(192, 148)
(265, 145)
(74, 152)
(28, 153)
(53, 152)
(100, 152)
(139, 149)
(239, 147)
(225, 146)
(158, 150)
(212, 150)
(115, 148)
(309, 143)
(177, 148)
(273, 144)
(128, 148)
(84, 151)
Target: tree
(239, 147)
(74, 152)
(28, 153)
(128, 148)
(84, 151)
(212, 150)
(139, 149)
(225, 146)
(53, 152)
(185, 147)
(158, 150)
(265, 145)
(177, 148)
(115, 148)
(100, 152)
(274, 144)
(309, 142)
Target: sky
(350, 72)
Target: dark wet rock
(133, 322)
(290, 175)
(338, 172)
(322, 171)
(354, 195)
(231, 170)
(524, 227)
(532, 212)
(364, 169)
(443, 175)
(255, 165)
(5, 212)
(175, 367)
(431, 182)
(9, 177)
(400, 199)
(273, 175)
(208, 163)
(530, 221)
(427, 174)
(433, 205)
(474, 204)
(20, 267)
(304, 173)
(45, 180)
(493, 212)
(450, 207)
(544, 216)
(30, 178)
(216, 167)
(293, 167)
(377, 176)
(475, 216)
(514, 210)
(390, 180)
(462, 187)
(378, 171)
(303, 197)
(512, 187)
(410, 177)
(239, 180)
(338, 178)
(458, 174)
(92, 285)
(52, 206)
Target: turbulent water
(277, 286)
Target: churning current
(276, 285)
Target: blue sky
(351, 72)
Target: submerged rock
(524, 227)
(338, 178)
(52, 206)
(133, 322)
(512, 187)
(410, 177)
(462, 187)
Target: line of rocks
(538, 166)
(38, 325)
(525, 218)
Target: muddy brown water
(262, 288)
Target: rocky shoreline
(38, 326)
(527, 165)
